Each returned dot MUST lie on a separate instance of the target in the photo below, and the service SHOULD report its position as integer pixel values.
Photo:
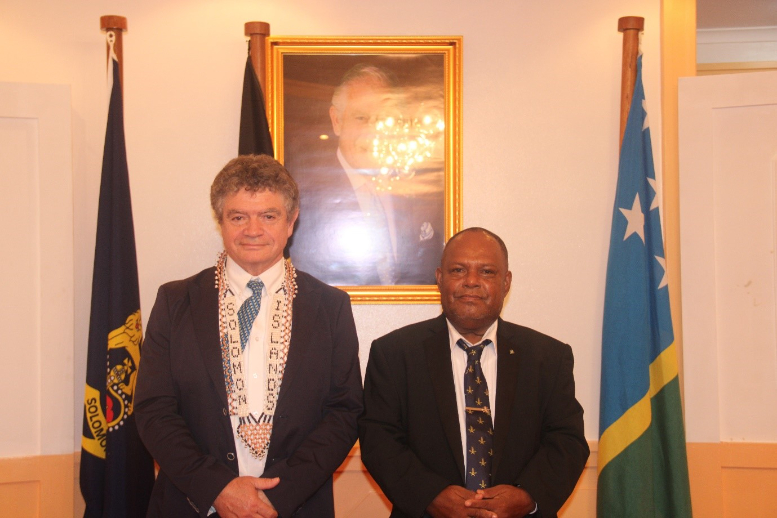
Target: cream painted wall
(541, 94)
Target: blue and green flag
(643, 469)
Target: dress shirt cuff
(536, 505)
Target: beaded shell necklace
(254, 430)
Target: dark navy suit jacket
(181, 401)
(409, 432)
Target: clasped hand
(244, 497)
(502, 501)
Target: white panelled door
(36, 265)
(728, 232)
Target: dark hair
(484, 231)
(253, 173)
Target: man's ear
(335, 118)
(508, 281)
(292, 220)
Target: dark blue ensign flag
(117, 472)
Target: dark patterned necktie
(479, 429)
(248, 311)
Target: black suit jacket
(409, 431)
(181, 400)
(331, 240)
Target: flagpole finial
(112, 22)
(631, 23)
(252, 28)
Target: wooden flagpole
(117, 24)
(258, 33)
(630, 26)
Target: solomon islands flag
(643, 470)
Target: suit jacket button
(224, 411)
(230, 456)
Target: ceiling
(717, 14)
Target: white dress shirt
(459, 362)
(362, 183)
(254, 355)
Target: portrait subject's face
(365, 103)
(255, 228)
(473, 281)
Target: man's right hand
(450, 504)
(244, 498)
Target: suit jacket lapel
(205, 310)
(507, 364)
(438, 357)
(304, 311)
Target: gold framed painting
(370, 127)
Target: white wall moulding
(736, 45)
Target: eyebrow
(271, 210)
(481, 265)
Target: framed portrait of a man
(371, 130)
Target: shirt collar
(357, 178)
(238, 278)
(454, 336)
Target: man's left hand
(506, 501)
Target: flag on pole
(255, 136)
(643, 469)
(117, 472)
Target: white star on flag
(645, 123)
(663, 282)
(654, 203)
(636, 220)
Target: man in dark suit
(354, 229)
(249, 384)
(435, 435)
